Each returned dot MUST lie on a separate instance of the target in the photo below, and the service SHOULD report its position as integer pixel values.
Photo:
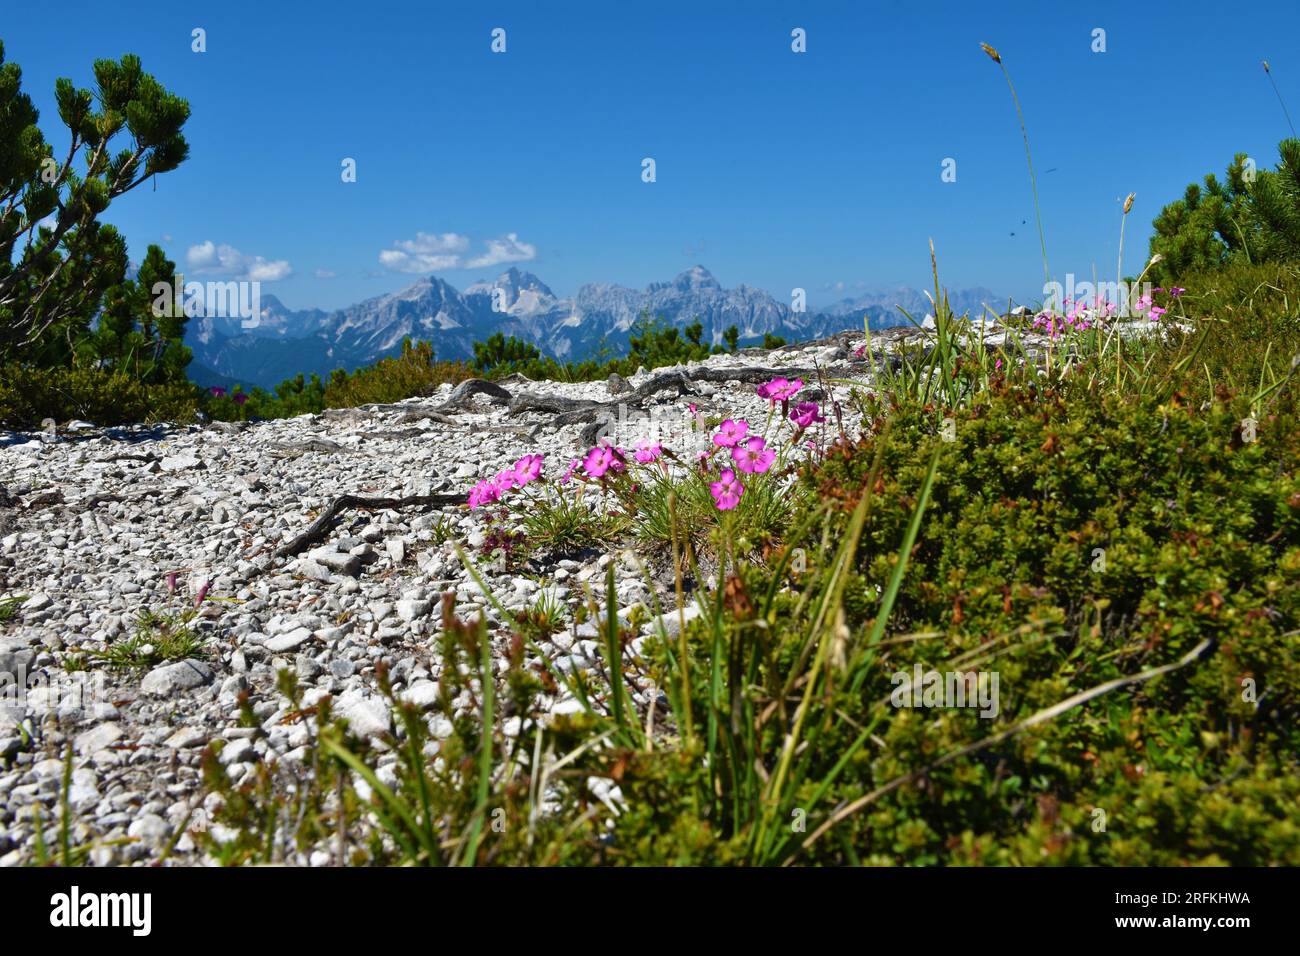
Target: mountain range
(599, 316)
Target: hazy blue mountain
(883, 305)
(600, 316)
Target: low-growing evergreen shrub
(411, 374)
(1085, 541)
(292, 397)
(653, 343)
(29, 395)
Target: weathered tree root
(321, 526)
(572, 411)
(55, 500)
(409, 413)
(467, 389)
(576, 411)
(322, 445)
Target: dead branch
(467, 389)
(322, 445)
(573, 411)
(410, 413)
(321, 526)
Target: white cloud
(210, 258)
(500, 251)
(429, 252)
(325, 274)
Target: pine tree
(141, 328)
(1245, 218)
(732, 338)
(54, 276)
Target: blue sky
(775, 169)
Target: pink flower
(240, 398)
(647, 452)
(171, 582)
(568, 472)
(780, 389)
(805, 414)
(602, 458)
(1176, 291)
(217, 391)
(753, 457)
(485, 492)
(997, 366)
(505, 480)
(203, 593)
(598, 461)
(727, 491)
(1155, 313)
(731, 433)
(528, 468)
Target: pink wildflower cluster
(1079, 316)
(1146, 305)
(749, 454)
(526, 470)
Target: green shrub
(30, 395)
(652, 343)
(413, 373)
(292, 397)
(1089, 540)
(1252, 316)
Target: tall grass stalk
(1285, 111)
(1033, 180)
(1119, 262)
